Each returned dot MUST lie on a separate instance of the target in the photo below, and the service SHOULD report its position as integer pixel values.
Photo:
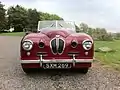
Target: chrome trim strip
(29, 61)
(57, 42)
(58, 61)
(38, 28)
(63, 46)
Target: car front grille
(61, 46)
(57, 45)
(53, 46)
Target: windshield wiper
(51, 25)
(61, 25)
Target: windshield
(56, 25)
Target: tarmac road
(13, 78)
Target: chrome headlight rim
(30, 44)
(84, 46)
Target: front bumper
(79, 63)
(73, 61)
(57, 61)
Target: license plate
(56, 65)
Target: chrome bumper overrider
(73, 60)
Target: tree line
(98, 33)
(20, 17)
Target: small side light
(41, 44)
(74, 44)
(28, 53)
(86, 53)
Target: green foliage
(47, 16)
(17, 17)
(84, 27)
(2, 17)
(21, 18)
(96, 33)
(77, 29)
(32, 19)
(116, 36)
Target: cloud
(96, 13)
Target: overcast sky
(96, 13)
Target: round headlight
(87, 44)
(27, 45)
(74, 44)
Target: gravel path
(13, 78)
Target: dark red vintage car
(56, 45)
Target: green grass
(12, 34)
(111, 58)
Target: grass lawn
(111, 59)
(13, 34)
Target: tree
(84, 27)
(117, 36)
(55, 17)
(2, 17)
(47, 16)
(90, 31)
(33, 18)
(17, 17)
(77, 29)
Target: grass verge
(111, 59)
(12, 34)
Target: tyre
(27, 70)
(84, 70)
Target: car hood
(53, 33)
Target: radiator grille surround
(57, 45)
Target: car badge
(57, 36)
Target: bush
(107, 37)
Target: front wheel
(26, 70)
(84, 70)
